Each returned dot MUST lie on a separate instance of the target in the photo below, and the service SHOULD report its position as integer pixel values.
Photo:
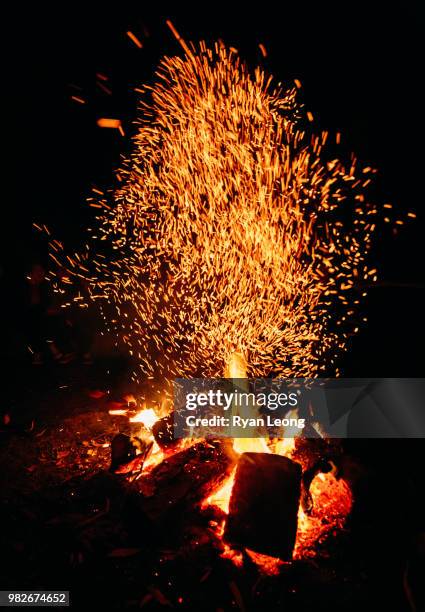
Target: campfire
(242, 485)
(236, 245)
(233, 245)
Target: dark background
(360, 65)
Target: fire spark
(232, 232)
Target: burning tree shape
(232, 233)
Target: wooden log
(264, 504)
(122, 451)
(185, 478)
(163, 432)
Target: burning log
(185, 478)
(264, 504)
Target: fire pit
(202, 518)
(289, 482)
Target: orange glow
(332, 503)
(221, 497)
(130, 399)
(236, 556)
(109, 123)
(270, 566)
(155, 457)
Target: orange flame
(147, 417)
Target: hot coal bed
(123, 516)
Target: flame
(250, 445)
(221, 497)
(331, 498)
(285, 446)
(236, 369)
(147, 417)
(155, 457)
(236, 366)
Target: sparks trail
(231, 232)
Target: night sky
(360, 67)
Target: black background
(360, 65)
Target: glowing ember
(233, 555)
(332, 502)
(109, 123)
(134, 38)
(269, 565)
